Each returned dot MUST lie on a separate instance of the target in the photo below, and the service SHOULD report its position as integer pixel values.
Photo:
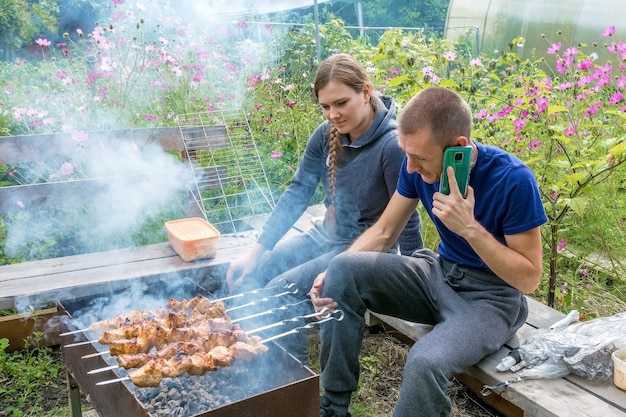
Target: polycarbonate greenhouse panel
(497, 22)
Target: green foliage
(16, 26)
(564, 115)
(23, 373)
(566, 122)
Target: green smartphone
(460, 158)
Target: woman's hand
(243, 266)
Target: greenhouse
(492, 24)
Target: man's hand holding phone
(455, 208)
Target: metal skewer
(325, 314)
(93, 355)
(106, 368)
(110, 381)
(270, 311)
(242, 294)
(86, 342)
(74, 332)
(273, 310)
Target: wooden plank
(540, 315)
(51, 266)
(44, 281)
(29, 148)
(494, 400)
(19, 328)
(39, 290)
(607, 399)
(556, 397)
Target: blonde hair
(344, 69)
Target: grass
(31, 380)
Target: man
(471, 290)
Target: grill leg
(73, 394)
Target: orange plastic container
(192, 238)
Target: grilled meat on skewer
(187, 336)
(149, 375)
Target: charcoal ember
(174, 394)
(190, 395)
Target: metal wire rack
(229, 183)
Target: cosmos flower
(43, 42)
(608, 32)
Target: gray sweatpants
(473, 312)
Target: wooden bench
(559, 397)
(82, 275)
(37, 283)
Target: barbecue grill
(273, 383)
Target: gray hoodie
(366, 179)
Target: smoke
(142, 64)
(126, 186)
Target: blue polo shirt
(507, 201)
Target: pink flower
(608, 32)
(570, 131)
(481, 114)
(476, 62)
(67, 169)
(253, 79)
(43, 42)
(150, 117)
(450, 55)
(554, 48)
(290, 104)
(258, 106)
(276, 155)
(534, 144)
(198, 76)
(116, 2)
(562, 244)
(519, 124)
(542, 104)
(394, 71)
(616, 98)
(587, 64)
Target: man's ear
(462, 141)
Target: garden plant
(563, 113)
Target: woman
(355, 155)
